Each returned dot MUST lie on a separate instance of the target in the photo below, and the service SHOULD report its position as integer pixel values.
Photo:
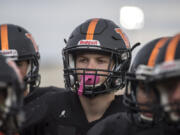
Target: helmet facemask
(32, 78)
(86, 81)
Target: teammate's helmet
(11, 96)
(168, 58)
(166, 77)
(139, 74)
(18, 44)
(101, 36)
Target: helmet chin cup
(87, 80)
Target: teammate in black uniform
(18, 44)
(144, 116)
(96, 58)
(11, 97)
(166, 77)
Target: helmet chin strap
(87, 80)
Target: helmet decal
(171, 49)
(11, 53)
(124, 37)
(89, 42)
(28, 35)
(91, 29)
(155, 51)
(4, 37)
(166, 66)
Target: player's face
(144, 97)
(94, 61)
(171, 90)
(23, 68)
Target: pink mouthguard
(89, 80)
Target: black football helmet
(138, 78)
(101, 36)
(11, 96)
(166, 76)
(18, 44)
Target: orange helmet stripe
(171, 49)
(155, 51)
(91, 29)
(4, 37)
(28, 35)
(124, 37)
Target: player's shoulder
(58, 95)
(116, 119)
(120, 117)
(49, 88)
(111, 125)
(41, 91)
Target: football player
(18, 44)
(166, 80)
(143, 116)
(96, 57)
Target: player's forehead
(92, 55)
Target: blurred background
(50, 21)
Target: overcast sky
(50, 21)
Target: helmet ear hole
(120, 82)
